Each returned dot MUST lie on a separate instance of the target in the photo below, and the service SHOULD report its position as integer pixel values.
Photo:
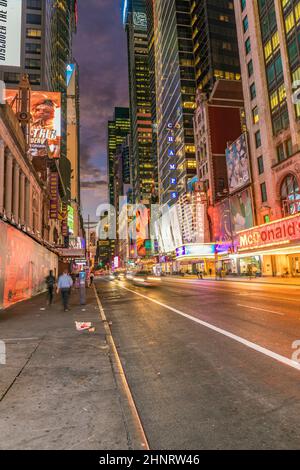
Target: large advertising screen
(10, 33)
(238, 165)
(241, 211)
(45, 129)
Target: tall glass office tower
(175, 88)
(142, 161)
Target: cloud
(88, 185)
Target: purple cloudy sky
(100, 50)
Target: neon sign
(274, 233)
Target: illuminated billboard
(10, 33)
(241, 211)
(238, 165)
(45, 128)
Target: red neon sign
(275, 233)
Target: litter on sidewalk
(82, 326)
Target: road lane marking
(267, 352)
(262, 309)
(121, 373)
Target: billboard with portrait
(241, 211)
(238, 165)
(10, 33)
(45, 128)
(221, 222)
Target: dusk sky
(100, 50)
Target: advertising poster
(45, 129)
(10, 33)
(221, 221)
(25, 264)
(241, 211)
(238, 165)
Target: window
(280, 153)
(33, 19)
(247, 46)
(34, 4)
(258, 139)
(253, 91)
(245, 24)
(33, 48)
(260, 164)
(33, 33)
(255, 115)
(250, 68)
(290, 195)
(264, 195)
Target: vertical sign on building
(10, 32)
(53, 196)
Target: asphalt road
(209, 364)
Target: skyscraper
(215, 42)
(46, 27)
(175, 88)
(118, 130)
(143, 160)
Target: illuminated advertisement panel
(24, 265)
(221, 222)
(10, 33)
(45, 128)
(196, 251)
(238, 165)
(241, 211)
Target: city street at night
(196, 387)
(149, 231)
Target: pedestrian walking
(65, 283)
(50, 282)
(92, 277)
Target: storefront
(275, 247)
(197, 258)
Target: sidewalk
(58, 389)
(258, 280)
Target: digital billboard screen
(45, 128)
(10, 33)
(238, 165)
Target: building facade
(117, 131)
(143, 159)
(26, 252)
(215, 42)
(175, 97)
(270, 59)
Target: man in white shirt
(65, 283)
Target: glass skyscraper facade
(175, 88)
(142, 159)
(118, 130)
(215, 42)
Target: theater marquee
(279, 232)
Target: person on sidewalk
(50, 281)
(65, 283)
(92, 277)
